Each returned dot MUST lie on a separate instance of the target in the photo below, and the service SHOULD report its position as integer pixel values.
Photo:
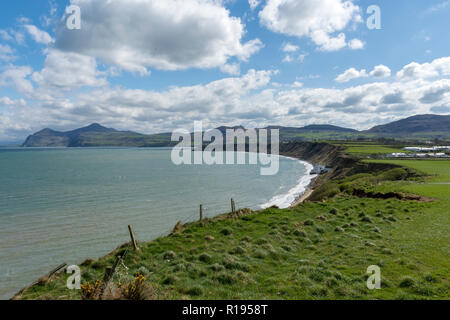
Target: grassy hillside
(318, 250)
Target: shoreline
(309, 191)
(297, 193)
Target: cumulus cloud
(6, 53)
(380, 71)
(437, 68)
(351, 74)
(251, 100)
(5, 35)
(254, 4)
(169, 35)
(356, 44)
(68, 70)
(231, 68)
(38, 35)
(16, 77)
(289, 47)
(318, 20)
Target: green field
(318, 250)
(372, 149)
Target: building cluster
(422, 152)
(417, 155)
(429, 149)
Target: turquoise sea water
(65, 205)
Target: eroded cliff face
(334, 157)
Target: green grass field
(318, 250)
(372, 149)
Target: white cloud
(438, 7)
(5, 35)
(16, 77)
(38, 35)
(249, 100)
(254, 4)
(231, 68)
(288, 59)
(351, 74)
(380, 71)
(169, 35)
(6, 53)
(356, 44)
(67, 70)
(289, 47)
(318, 20)
(436, 68)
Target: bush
(169, 255)
(325, 191)
(300, 233)
(226, 231)
(407, 282)
(204, 257)
(170, 280)
(91, 292)
(334, 211)
(194, 291)
(393, 175)
(134, 290)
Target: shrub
(226, 231)
(334, 211)
(169, 255)
(260, 254)
(407, 282)
(226, 278)
(194, 291)
(328, 190)
(134, 290)
(170, 280)
(143, 270)
(319, 291)
(431, 278)
(393, 175)
(308, 223)
(320, 230)
(204, 257)
(237, 250)
(300, 233)
(217, 267)
(91, 292)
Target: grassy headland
(363, 214)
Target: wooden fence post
(133, 240)
(233, 207)
(201, 212)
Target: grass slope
(318, 250)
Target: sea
(67, 204)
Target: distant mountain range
(95, 135)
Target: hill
(416, 125)
(95, 135)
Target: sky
(155, 66)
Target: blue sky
(154, 67)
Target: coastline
(297, 194)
